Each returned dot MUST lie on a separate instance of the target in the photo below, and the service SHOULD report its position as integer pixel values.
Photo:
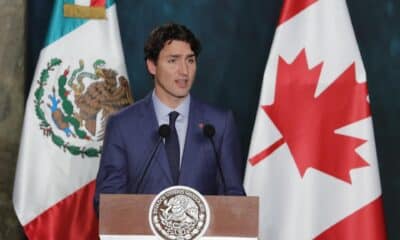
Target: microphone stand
(163, 131)
(209, 132)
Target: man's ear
(151, 67)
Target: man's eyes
(174, 60)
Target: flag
(312, 158)
(80, 79)
(85, 9)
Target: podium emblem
(179, 213)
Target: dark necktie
(172, 147)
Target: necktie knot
(172, 118)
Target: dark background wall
(12, 68)
(236, 37)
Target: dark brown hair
(164, 35)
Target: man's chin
(182, 95)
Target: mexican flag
(312, 159)
(80, 80)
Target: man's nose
(183, 68)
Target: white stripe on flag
(82, 2)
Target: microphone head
(208, 130)
(164, 130)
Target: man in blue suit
(187, 156)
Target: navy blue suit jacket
(132, 134)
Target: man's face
(174, 72)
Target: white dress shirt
(181, 123)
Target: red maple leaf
(307, 123)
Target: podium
(125, 217)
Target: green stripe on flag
(60, 25)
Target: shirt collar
(163, 110)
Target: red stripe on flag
(97, 3)
(266, 152)
(366, 223)
(292, 7)
(72, 218)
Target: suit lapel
(150, 129)
(193, 136)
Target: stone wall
(12, 50)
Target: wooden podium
(125, 216)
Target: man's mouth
(182, 83)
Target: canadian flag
(312, 158)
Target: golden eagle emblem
(80, 104)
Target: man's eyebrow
(180, 55)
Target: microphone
(163, 131)
(209, 132)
